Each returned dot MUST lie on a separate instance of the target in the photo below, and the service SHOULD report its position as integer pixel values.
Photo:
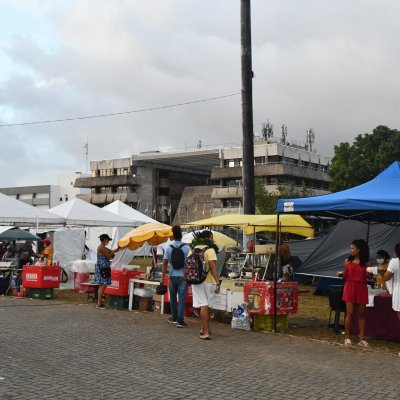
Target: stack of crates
(117, 301)
(266, 323)
(41, 294)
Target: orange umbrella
(152, 233)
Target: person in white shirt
(392, 274)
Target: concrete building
(275, 164)
(47, 196)
(151, 182)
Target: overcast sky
(330, 65)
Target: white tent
(123, 210)
(81, 213)
(13, 211)
(116, 233)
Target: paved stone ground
(55, 350)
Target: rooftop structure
(151, 182)
(47, 196)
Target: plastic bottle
(251, 246)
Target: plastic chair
(337, 305)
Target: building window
(163, 174)
(163, 191)
(274, 159)
(259, 160)
(106, 172)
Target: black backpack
(177, 256)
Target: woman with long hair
(393, 274)
(355, 292)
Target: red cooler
(120, 281)
(189, 295)
(79, 278)
(37, 277)
(259, 297)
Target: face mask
(380, 260)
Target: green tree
(361, 161)
(266, 199)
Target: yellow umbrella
(152, 233)
(260, 223)
(221, 240)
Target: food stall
(250, 276)
(376, 201)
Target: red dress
(355, 288)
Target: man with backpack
(206, 282)
(174, 259)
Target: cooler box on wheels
(41, 277)
(259, 297)
(120, 281)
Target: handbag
(105, 272)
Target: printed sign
(288, 206)
(31, 277)
(50, 278)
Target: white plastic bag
(241, 318)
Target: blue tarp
(377, 200)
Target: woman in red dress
(355, 292)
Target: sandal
(347, 343)
(364, 344)
(205, 337)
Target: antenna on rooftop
(267, 130)
(284, 133)
(310, 139)
(86, 147)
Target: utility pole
(249, 204)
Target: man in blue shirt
(174, 259)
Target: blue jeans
(177, 287)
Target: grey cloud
(329, 65)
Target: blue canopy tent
(375, 201)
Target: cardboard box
(158, 297)
(145, 304)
